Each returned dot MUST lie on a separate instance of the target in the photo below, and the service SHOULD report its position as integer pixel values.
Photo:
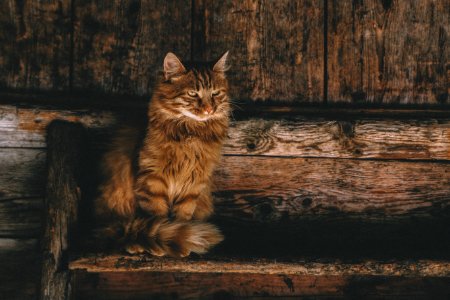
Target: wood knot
(251, 145)
(306, 202)
(343, 130)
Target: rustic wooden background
(373, 51)
(302, 51)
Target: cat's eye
(216, 92)
(192, 93)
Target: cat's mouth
(196, 117)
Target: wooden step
(143, 277)
(97, 263)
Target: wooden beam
(20, 217)
(20, 262)
(276, 47)
(120, 263)
(351, 138)
(23, 173)
(388, 51)
(338, 134)
(145, 285)
(259, 188)
(65, 156)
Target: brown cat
(157, 194)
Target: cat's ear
(172, 66)
(221, 65)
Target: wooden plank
(276, 47)
(142, 285)
(119, 46)
(20, 260)
(261, 189)
(23, 174)
(389, 51)
(21, 217)
(120, 263)
(352, 138)
(35, 44)
(25, 127)
(360, 135)
(66, 143)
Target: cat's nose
(207, 109)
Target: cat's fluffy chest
(184, 164)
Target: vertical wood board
(392, 52)
(35, 44)
(276, 47)
(119, 46)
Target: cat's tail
(161, 236)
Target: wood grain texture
(180, 285)
(120, 263)
(65, 142)
(20, 217)
(23, 173)
(142, 285)
(24, 127)
(360, 135)
(389, 51)
(119, 46)
(352, 138)
(258, 188)
(35, 44)
(20, 262)
(276, 47)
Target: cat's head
(194, 92)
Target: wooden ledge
(120, 263)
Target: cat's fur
(158, 190)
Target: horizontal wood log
(20, 262)
(25, 127)
(262, 188)
(354, 138)
(145, 285)
(331, 135)
(120, 263)
(23, 173)
(20, 218)
(388, 51)
(276, 47)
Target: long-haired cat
(157, 190)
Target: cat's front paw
(184, 210)
(134, 249)
(155, 207)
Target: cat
(157, 191)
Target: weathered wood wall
(304, 50)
